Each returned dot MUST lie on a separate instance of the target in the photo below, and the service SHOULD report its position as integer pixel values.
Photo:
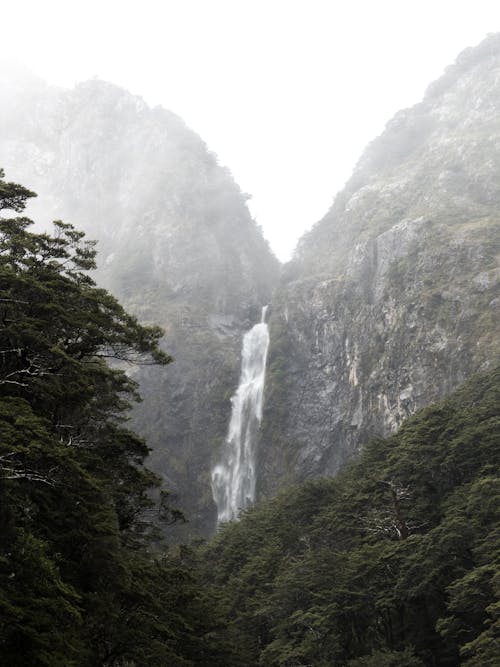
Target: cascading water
(233, 480)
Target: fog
(286, 93)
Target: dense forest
(79, 582)
(394, 563)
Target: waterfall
(233, 480)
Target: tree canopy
(393, 563)
(79, 582)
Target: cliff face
(177, 246)
(391, 301)
(393, 298)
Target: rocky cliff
(392, 299)
(390, 302)
(177, 246)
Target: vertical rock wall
(393, 298)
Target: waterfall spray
(233, 480)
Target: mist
(287, 94)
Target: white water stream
(233, 480)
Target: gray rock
(391, 299)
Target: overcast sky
(286, 92)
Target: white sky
(286, 92)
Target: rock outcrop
(392, 299)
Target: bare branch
(14, 301)
(35, 368)
(21, 472)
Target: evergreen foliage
(79, 584)
(394, 562)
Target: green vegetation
(79, 585)
(394, 562)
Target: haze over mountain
(392, 300)
(176, 244)
(389, 303)
(286, 92)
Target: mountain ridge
(389, 303)
(177, 245)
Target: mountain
(393, 298)
(177, 246)
(391, 301)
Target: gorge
(390, 302)
(308, 483)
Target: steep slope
(393, 563)
(176, 244)
(393, 298)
